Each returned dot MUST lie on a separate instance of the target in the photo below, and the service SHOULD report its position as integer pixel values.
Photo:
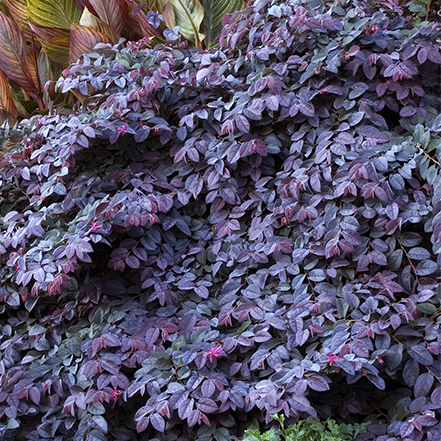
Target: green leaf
(189, 15)
(214, 12)
(427, 308)
(57, 14)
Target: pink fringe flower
(115, 394)
(122, 130)
(213, 352)
(332, 358)
(95, 226)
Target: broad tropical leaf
(48, 71)
(81, 4)
(169, 15)
(6, 101)
(50, 13)
(83, 40)
(24, 106)
(32, 58)
(154, 5)
(189, 16)
(112, 12)
(13, 60)
(18, 10)
(214, 12)
(54, 41)
(92, 21)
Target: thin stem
(430, 157)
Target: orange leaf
(83, 40)
(6, 100)
(12, 55)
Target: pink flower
(380, 360)
(94, 226)
(216, 352)
(322, 91)
(122, 130)
(115, 394)
(332, 358)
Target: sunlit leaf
(214, 12)
(12, 55)
(58, 14)
(112, 12)
(31, 58)
(54, 41)
(83, 40)
(92, 21)
(6, 101)
(189, 16)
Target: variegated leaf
(6, 101)
(214, 12)
(93, 22)
(13, 61)
(50, 13)
(112, 12)
(54, 41)
(83, 40)
(189, 15)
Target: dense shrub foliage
(214, 237)
(310, 429)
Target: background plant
(310, 429)
(273, 203)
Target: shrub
(214, 237)
(308, 430)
